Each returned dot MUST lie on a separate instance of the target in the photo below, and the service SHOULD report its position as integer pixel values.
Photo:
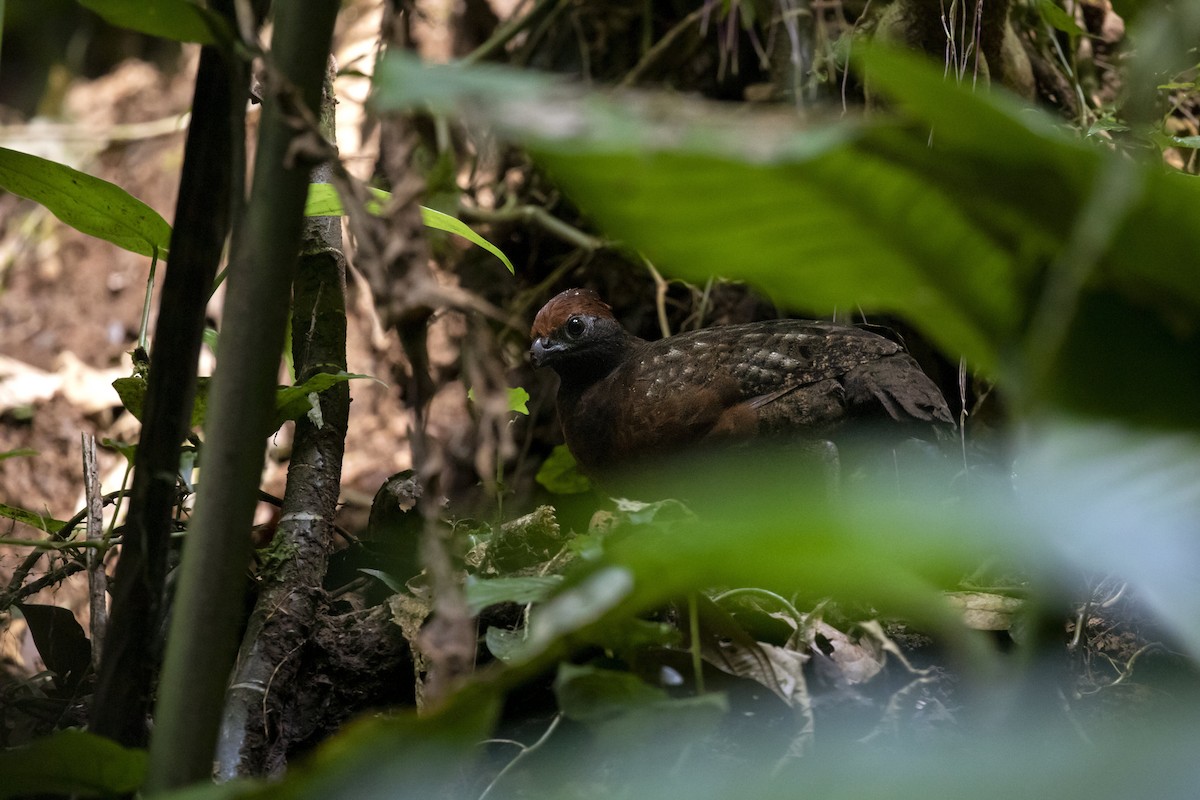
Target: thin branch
(521, 756)
(505, 33)
(535, 215)
(14, 590)
(661, 47)
(202, 644)
(97, 578)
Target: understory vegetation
(1011, 188)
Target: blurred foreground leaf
(969, 214)
(180, 20)
(71, 762)
(380, 758)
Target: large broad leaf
(802, 211)
(1091, 499)
(1015, 168)
(981, 220)
(180, 20)
(71, 762)
(401, 756)
(1088, 498)
(91, 205)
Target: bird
(622, 399)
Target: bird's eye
(575, 327)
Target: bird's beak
(543, 351)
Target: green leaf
(1059, 19)
(1158, 379)
(518, 400)
(41, 522)
(293, 402)
(589, 694)
(179, 20)
(399, 755)
(445, 222)
(951, 210)
(132, 391)
(810, 214)
(504, 644)
(560, 474)
(323, 201)
(90, 205)
(484, 592)
(127, 451)
(24, 451)
(212, 339)
(387, 580)
(625, 714)
(71, 762)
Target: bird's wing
(897, 385)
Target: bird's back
(761, 357)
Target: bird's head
(576, 331)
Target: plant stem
(203, 638)
(202, 216)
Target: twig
(42, 545)
(22, 572)
(538, 216)
(694, 634)
(505, 33)
(97, 578)
(1125, 671)
(662, 46)
(660, 298)
(525, 751)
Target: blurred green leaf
(957, 212)
(1055, 16)
(697, 187)
(559, 473)
(179, 20)
(484, 592)
(26, 451)
(1038, 178)
(589, 694)
(90, 205)
(1112, 499)
(71, 762)
(379, 758)
(1125, 360)
(291, 402)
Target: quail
(623, 399)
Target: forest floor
(70, 312)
